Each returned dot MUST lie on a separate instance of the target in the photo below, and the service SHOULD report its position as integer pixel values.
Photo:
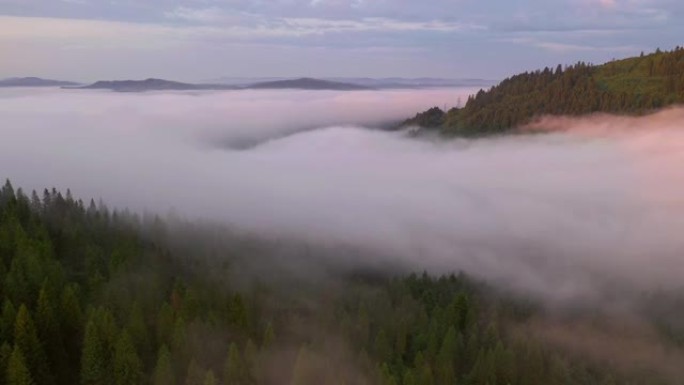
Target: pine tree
(165, 324)
(269, 336)
(163, 372)
(139, 332)
(7, 320)
(209, 378)
(71, 324)
(195, 375)
(127, 365)
(26, 339)
(250, 360)
(93, 357)
(426, 377)
(447, 357)
(49, 332)
(17, 370)
(233, 369)
(5, 354)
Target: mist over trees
(98, 296)
(630, 86)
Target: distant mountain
(168, 85)
(633, 86)
(242, 81)
(34, 82)
(368, 82)
(307, 84)
(151, 85)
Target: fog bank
(596, 202)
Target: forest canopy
(631, 86)
(98, 296)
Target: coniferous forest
(630, 86)
(98, 296)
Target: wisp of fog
(595, 202)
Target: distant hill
(34, 82)
(630, 86)
(168, 85)
(307, 84)
(376, 83)
(150, 85)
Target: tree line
(631, 86)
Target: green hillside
(630, 86)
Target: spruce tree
(163, 372)
(233, 369)
(26, 339)
(195, 374)
(128, 368)
(5, 354)
(7, 320)
(49, 332)
(93, 356)
(18, 372)
(209, 378)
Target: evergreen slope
(631, 86)
(93, 296)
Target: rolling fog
(594, 203)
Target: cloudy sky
(204, 39)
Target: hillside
(630, 86)
(34, 82)
(150, 85)
(307, 84)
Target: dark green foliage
(432, 118)
(94, 357)
(163, 372)
(128, 368)
(630, 86)
(96, 297)
(195, 375)
(26, 340)
(209, 378)
(17, 372)
(234, 367)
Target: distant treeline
(631, 86)
(93, 296)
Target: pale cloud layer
(596, 202)
(191, 39)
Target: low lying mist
(592, 209)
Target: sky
(193, 40)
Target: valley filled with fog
(595, 202)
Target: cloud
(221, 27)
(559, 47)
(203, 15)
(608, 3)
(592, 207)
(458, 37)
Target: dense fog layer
(595, 203)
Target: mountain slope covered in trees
(95, 296)
(631, 86)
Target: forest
(630, 86)
(98, 296)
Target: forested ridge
(98, 296)
(630, 86)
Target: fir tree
(127, 364)
(18, 372)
